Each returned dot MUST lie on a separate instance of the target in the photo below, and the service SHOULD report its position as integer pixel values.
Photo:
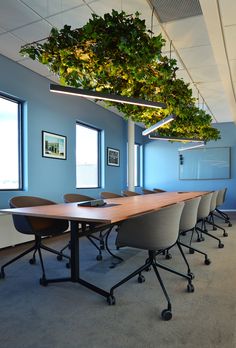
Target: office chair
(157, 190)
(210, 220)
(127, 193)
(219, 201)
(155, 232)
(203, 213)
(37, 226)
(146, 191)
(105, 195)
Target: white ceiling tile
(228, 10)
(197, 56)
(47, 8)
(182, 74)
(230, 38)
(10, 46)
(76, 18)
(14, 14)
(33, 32)
(188, 32)
(35, 66)
(205, 74)
(233, 69)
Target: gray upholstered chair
(127, 193)
(155, 232)
(210, 220)
(38, 227)
(105, 195)
(187, 224)
(219, 201)
(203, 213)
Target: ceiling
(201, 38)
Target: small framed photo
(53, 145)
(113, 157)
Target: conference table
(112, 213)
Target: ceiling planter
(115, 54)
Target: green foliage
(116, 54)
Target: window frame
(98, 155)
(20, 141)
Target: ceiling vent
(173, 10)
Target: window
(138, 165)
(10, 144)
(87, 156)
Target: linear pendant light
(108, 97)
(189, 140)
(159, 124)
(192, 147)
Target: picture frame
(54, 145)
(113, 157)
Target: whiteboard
(203, 164)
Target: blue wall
(51, 178)
(161, 169)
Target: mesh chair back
(128, 193)
(152, 231)
(189, 215)
(220, 197)
(35, 225)
(75, 197)
(204, 206)
(105, 195)
(213, 201)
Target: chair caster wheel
(111, 300)
(191, 275)
(221, 245)
(199, 240)
(190, 288)
(225, 234)
(191, 251)
(43, 282)
(141, 279)
(229, 224)
(2, 274)
(32, 261)
(59, 257)
(207, 261)
(99, 257)
(148, 269)
(68, 265)
(166, 314)
(214, 228)
(168, 256)
(183, 233)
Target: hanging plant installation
(116, 54)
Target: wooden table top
(116, 209)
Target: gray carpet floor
(69, 315)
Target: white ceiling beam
(213, 21)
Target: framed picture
(113, 157)
(53, 145)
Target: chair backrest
(128, 193)
(147, 192)
(152, 231)
(213, 201)
(157, 190)
(189, 214)
(221, 197)
(204, 206)
(105, 195)
(35, 225)
(76, 197)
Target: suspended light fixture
(159, 124)
(160, 137)
(192, 147)
(103, 96)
